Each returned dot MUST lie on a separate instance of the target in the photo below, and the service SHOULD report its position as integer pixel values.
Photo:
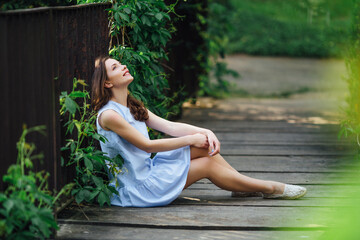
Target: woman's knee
(198, 152)
(206, 165)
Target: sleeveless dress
(144, 181)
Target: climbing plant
(216, 35)
(212, 23)
(81, 151)
(139, 32)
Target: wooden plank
(223, 198)
(276, 150)
(292, 163)
(220, 217)
(313, 191)
(260, 115)
(264, 126)
(305, 178)
(310, 143)
(277, 138)
(90, 232)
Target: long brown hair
(101, 95)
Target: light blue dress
(145, 181)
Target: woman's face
(118, 75)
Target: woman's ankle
(274, 188)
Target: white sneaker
(290, 192)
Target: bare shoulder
(110, 118)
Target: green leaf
(103, 139)
(103, 198)
(144, 20)
(8, 204)
(41, 225)
(158, 16)
(117, 17)
(78, 126)
(124, 17)
(77, 94)
(98, 181)
(75, 191)
(94, 194)
(118, 160)
(88, 164)
(3, 197)
(82, 82)
(97, 136)
(71, 105)
(154, 38)
(82, 195)
(72, 147)
(127, 10)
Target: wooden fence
(41, 51)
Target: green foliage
(26, 205)
(350, 124)
(140, 32)
(15, 4)
(92, 165)
(217, 21)
(290, 28)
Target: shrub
(26, 206)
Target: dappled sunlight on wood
(293, 110)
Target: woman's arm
(177, 129)
(111, 120)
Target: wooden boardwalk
(287, 148)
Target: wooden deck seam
(317, 172)
(287, 155)
(312, 184)
(249, 205)
(192, 227)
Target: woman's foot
(271, 187)
(289, 192)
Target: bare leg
(201, 152)
(218, 171)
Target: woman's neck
(120, 96)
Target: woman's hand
(199, 140)
(213, 143)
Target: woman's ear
(108, 84)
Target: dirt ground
(275, 75)
(315, 89)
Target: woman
(192, 155)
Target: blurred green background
(304, 28)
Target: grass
(276, 27)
